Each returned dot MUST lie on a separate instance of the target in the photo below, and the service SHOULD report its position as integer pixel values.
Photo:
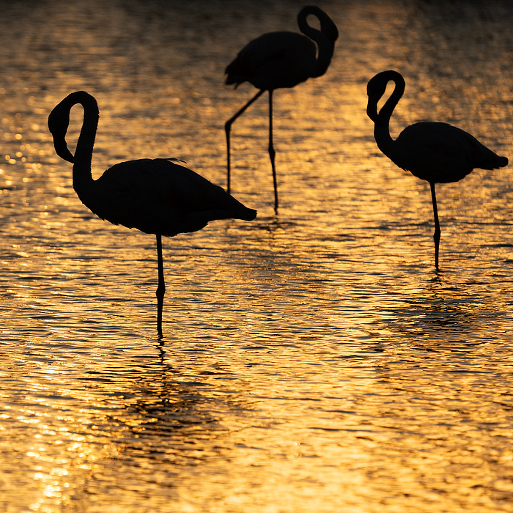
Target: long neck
(382, 122)
(82, 176)
(325, 38)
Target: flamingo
(153, 195)
(435, 152)
(277, 60)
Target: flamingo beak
(372, 110)
(61, 148)
(58, 122)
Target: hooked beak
(61, 148)
(372, 109)
(58, 122)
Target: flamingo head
(58, 122)
(376, 88)
(372, 109)
(328, 28)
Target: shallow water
(312, 361)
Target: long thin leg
(227, 128)
(272, 152)
(161, 288)
(436, 235)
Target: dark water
(312, 361)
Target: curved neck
(382, 120)
(325, 38)
(82, 175)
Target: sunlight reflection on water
(311, 361)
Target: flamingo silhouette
(435, 152)
(153, 195)
(277, 60)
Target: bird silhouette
(435, 152)
(153, 195)
(277, 60)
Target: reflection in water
(312, 360)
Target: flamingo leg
(272, 152)
(161, 288)
(227, 128)
(436, 235)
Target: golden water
(313, 361)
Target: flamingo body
(435, 152)
(442, 153)
(274, 60)
(153, 195)
(281, 60)
(160, 197)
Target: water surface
(312, 361)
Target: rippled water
(312, 361)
